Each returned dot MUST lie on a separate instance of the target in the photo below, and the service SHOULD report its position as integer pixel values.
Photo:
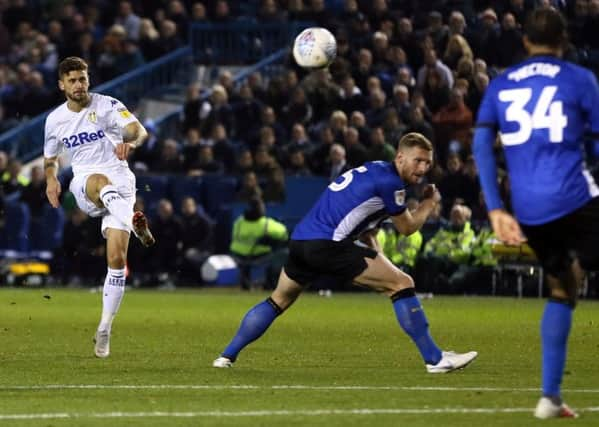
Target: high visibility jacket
(454, 245)
(248, 236)
(400, 249)
(482, 250)
(21, 179)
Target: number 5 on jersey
(547, 114)
(347, 178)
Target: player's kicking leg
(381, 275)
(259, 319)
(141, 229)
(117, 242)
(103, 193)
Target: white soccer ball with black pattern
(314, 47)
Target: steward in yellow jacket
(401, 250)
(254, 237)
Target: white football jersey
(89, 136)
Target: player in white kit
(99, 133)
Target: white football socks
(114, 289)
(116, 205)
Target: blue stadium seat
(14, 234)
(219, 192)
(237, 209)
(152, 188)
(223, 229)
(301, 192)
(184, 186)
(45, 232)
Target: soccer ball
(314, 47)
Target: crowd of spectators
(402, 66)
(112, 36)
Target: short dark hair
(255, 209)
(547, 27)
(72, 63)
(415, 139)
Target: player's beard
(408, 176)
(80, 98)
(412, 178)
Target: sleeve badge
(400, 197)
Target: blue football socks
(412, 319)
(555, 328)
(253, 325)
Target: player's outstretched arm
(409, 222)
(53, 188)
(134, 135)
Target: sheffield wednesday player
(542, 107)
(323, 244)
(98, 132)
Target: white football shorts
(123, 180)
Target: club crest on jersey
(400, 197)
(92, 117)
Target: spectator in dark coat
(319, 157)
(351, 97)
(453, 183)
(34, 194)
(193, 107)
(81, 258)
(196, 240)
(169, 39)
(357, 154)
(247, 112)
(510, 39)
(166, 253)
(249, 187)
(297, 164)
(205, 162)
(223, 149)
(218, 111)
(170, 160)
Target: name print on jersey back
(82, 137)
(540, 108)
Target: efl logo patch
(400, 197)
(125, 114)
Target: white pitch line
(274, 387)
(267, 413)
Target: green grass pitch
(339, 361)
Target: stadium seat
(45, 232)
(14, 235)
(302, 192)
(152, 188)
(184, 186)
(300, 195)
(219, 192)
